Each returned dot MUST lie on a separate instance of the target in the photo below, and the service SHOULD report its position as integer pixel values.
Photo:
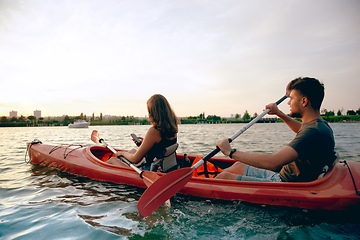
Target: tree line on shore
(22, 121)
(351, 116)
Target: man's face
(295, 103)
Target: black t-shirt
(314, 144)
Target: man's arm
(272, 162)
(292, 123)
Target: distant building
(37, 113)
(13, 114)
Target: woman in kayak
(161, 135)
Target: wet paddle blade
(163, 189)
(149, 178)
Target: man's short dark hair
(311, 88)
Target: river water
(41, 203)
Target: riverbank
(135, 121)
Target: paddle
(168, 185)
(148, 177)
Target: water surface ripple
(41, 203)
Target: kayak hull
(335, 191)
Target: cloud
(219, 57)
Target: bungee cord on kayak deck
(35, 141)
(352, 177)
(65, 146)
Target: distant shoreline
(330, 119)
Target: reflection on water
(39, 202)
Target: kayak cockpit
(101, 153)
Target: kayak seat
(166, 160)
(107, 156)
(185, 161)
(327, 168)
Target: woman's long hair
(161, 113)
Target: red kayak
(335, 191)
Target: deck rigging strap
(353, 180)
(66, 146)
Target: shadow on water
(247, 220)
(85, 187)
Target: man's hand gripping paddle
(148, 177)
(168, 185)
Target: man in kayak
(305, 157)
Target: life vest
(207, 170)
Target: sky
(67, 57)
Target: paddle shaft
(122, 158)
(216, 150)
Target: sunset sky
(218, 57)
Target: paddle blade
(149, 178)
(163, 189)
(95, 137)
